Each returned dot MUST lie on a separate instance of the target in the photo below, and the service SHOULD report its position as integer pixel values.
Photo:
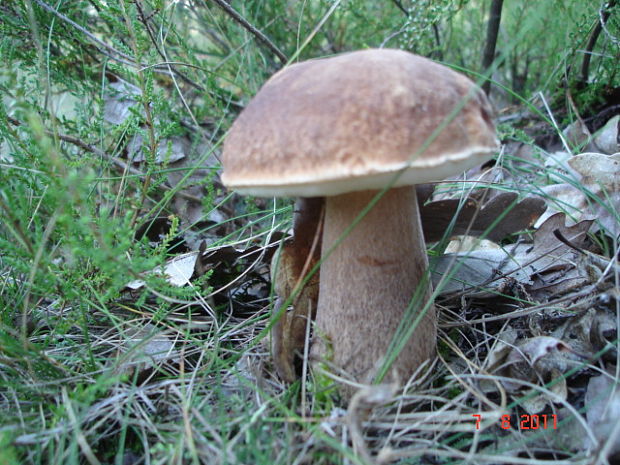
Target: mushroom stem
(367, 283)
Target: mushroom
(347, 128)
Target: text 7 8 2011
(542, 421)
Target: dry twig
(251, 29)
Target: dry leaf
(177, 271)
(462, 244)
(496, 357)
(548, 251)
(607, 139)
(602, 405)
(144, 346)
(605, 334)
(578, 135)
(535, 360)
(553, 265)
(589, 332)
(120, 97)
(556, 165)
(473, 219)
(485, 272)
(480, 273)
(595, 195)
(536, 401)
(598, 170)
(501, 348)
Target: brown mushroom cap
(350, 122)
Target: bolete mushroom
(345, 127)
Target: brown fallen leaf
(120, 97)
(548, 251)
(607, 139)
(535, 360)
(178, 271)
(589, 332)
(485, 272)
(602, 403)
(579, 136)
(143, 346)
(475, 219)
(535, 401)
(595, 194)
(479, 273)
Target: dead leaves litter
(543, 264)
(593, 192)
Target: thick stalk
(367, 283)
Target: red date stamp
(542, 421)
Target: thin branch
(250, 28)
(120, 163)
(604, 13)
(111, 52)
(173, 69)
(84, 31)
(17, 227)
(114, 160)
(488, 56)
(400, 7)
(439, 53)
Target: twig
(400, 7)
(17, 226)
(604, 13)
(587, 293)
(84, 31)
(495, 17)
(439, 53)
(560, 237)
(115, 160)
(114, 54)
(120, 163)
(169, 64)
(250, 28)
